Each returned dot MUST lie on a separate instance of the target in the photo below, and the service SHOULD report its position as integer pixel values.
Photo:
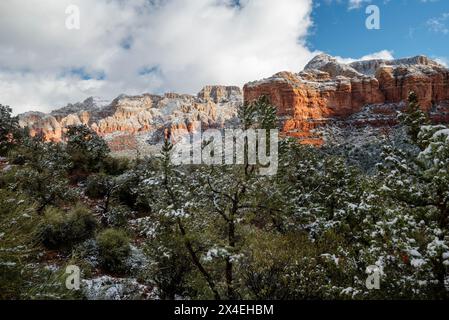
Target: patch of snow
(442, 133)
(216, 253)
(331, 257)
(417, 263)
(8, 264)
(415, 253)
(144, 226)
(136, 260)
(110, 288)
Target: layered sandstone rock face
(363, 93)
(327, 91)
(220, 94)
(129, 121)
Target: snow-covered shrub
(118, 216)
(86, 148)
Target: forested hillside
(145, 229)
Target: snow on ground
(111, 288)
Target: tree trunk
(196, 261)
(229, 264)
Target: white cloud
(442, 60)
(352, 4)
(384, 54)
(137, 46)
(356, 4)
(439, 24)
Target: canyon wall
(327, 90)
(361, 93)
(128, 119)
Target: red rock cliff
(327, 90)
(126, 118)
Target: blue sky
(408, 28)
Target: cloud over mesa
(138, 46)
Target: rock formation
(360, 93)
(130, 119)
(327, 90)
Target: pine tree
(86, 148)
(413, 214)
(414, 118)
(166, 153)
(260, 114)
(8, 129)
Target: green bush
(60, 229)
(8, 129)
(114, 249)
(7, 178)
(44, 175)
(17, 158)
(86, 149)
(115, 166)
(131, 192)
(118, 216)
(96, 186)
(127, 189)
(45, 187)
(17, 221)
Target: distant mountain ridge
(361, 93)
(129, 121)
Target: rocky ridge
(129, 121)
(362, 93)
(328, 91)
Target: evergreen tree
(8, 129)
(414, 117)
(86, 148)
(44, 175)
(259, 114)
